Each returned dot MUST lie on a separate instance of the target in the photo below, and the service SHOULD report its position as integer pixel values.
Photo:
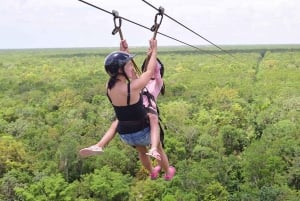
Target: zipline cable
(190, 29)
(140, 25)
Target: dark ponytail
(113, 79)
(162, 71)
(111, 82)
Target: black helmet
(116, 60)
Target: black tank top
(132, 118)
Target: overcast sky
(71, 23)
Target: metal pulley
(157, 21)
(117, 29)
(117, 23)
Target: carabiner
(156, 25)
(117, 25)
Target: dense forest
(231, 121)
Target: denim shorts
(141, 138)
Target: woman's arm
(142, 81)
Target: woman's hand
(124, 46)
(153, 44)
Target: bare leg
(155, 130)
(109, 135)
(145, 160)
(155, 138)
(98, 148)
(164, 162)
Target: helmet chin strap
(136, 69)
(124, 73)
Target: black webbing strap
(128, 93)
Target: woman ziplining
(133, 96)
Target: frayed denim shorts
(140, 138)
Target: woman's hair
(162, 71)
(112, 81)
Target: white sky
(71, 23)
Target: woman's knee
(153, 117)
(160, 149)
(141, 149)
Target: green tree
(105, 185)
(47, 188)
(234, 140)
(12, 154)
(214, 192)
(147, 190)
(261, 166)
(11, 180)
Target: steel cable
(140, 25)
(189, 29)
